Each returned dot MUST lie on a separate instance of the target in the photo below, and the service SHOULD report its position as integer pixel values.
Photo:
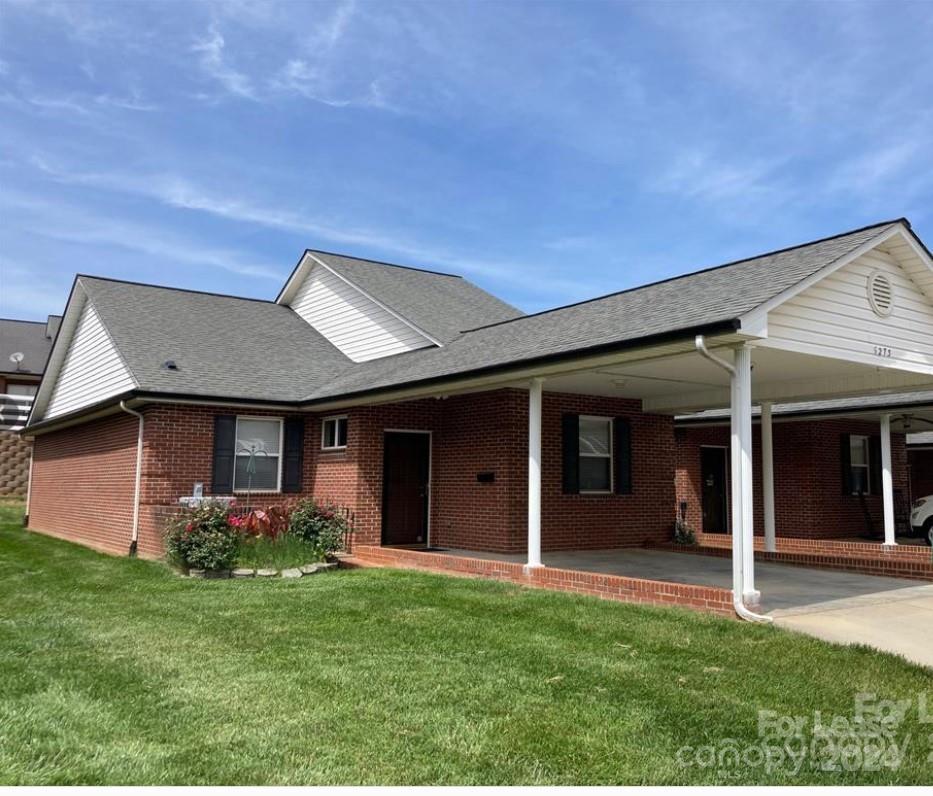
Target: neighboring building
(442, 416)
(827, 466)
(24, 349)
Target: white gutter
(134, 539)
(738, 581)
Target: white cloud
(181, 193)
(63, 222)
(700, 175)
(214, 64)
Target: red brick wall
(605, 521)
(470, 434)
(808, 495)
(82, 483)
(921, 471)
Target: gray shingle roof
(246, 349)
(226, 346)
(28, 338)
(703, 298)
(443, 305)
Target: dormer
(356, 322)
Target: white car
(921, 518)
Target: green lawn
(119, 671)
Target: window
(258, 454)
(595, 454)
(859, 464)
(21, 389)
(334, 433)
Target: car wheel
(928, 531)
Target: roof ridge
(901, 220)
(383, 262)
(170, 287)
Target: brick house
(443, 417)
(815, 495)
(24, 349)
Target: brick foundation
(608, 587)
(904, 561)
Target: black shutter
(224, 444)
(622, 454)
(874, 465)
(845, 460)
(570, 451)
(293, 462)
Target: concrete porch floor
(891, 614)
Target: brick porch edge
(904, 561)
(608, 587)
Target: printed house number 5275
(883, 351)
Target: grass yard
(119, 671)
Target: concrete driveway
(891, 614)
(896, 620)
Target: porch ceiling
(687, 382)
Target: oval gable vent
(880, 294)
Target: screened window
(334, 434)
(860, 464)
(595, 454)
(258, 454)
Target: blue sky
(548, 151)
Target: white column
(742, 436)
(534, 474)
(767, 476)
(735, 490)
(887, 481)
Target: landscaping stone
(309, 569)
(197, 573)
(292, 573)
(244, 573)
(327, 565)
(266, 573)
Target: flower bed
(214, 539)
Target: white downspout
(32, 453)
(134, 539)
(738, 579)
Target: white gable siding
(355, 324)
(92, 369)
(834, 317)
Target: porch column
(767, 476)
(743, 538)
(534, 474)
(887, 481)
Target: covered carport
(860, 326)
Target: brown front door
(713, 475)
(405, 485)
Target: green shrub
(320, 525)
(203, 538)
(683, 533)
